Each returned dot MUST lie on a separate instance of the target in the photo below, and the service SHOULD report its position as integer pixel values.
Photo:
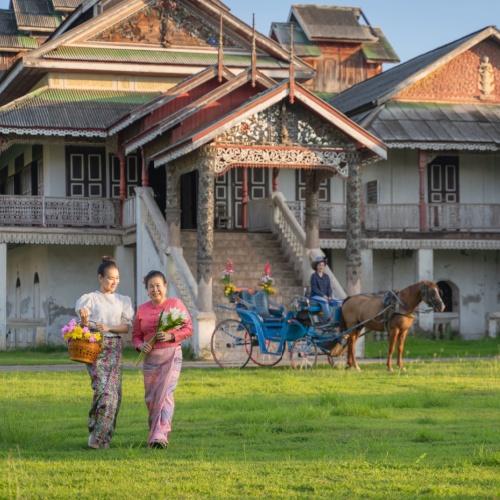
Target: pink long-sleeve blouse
(146, 321)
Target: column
(3, 296)
(312, 209)
(353, 232)
(144, 170)
(244, 200)
(123, 188)
(124, 256)
(425, 271)
(173, 208)
(276, 172)
(422, 207)
(367, 270)
(205, 235)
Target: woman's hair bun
(107, 258)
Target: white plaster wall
(286, 184)
(397, 177)
(23, 262)
(72, 272)
(475, 273)
(479, 178)
(54, 170)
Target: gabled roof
(325, 22)
(261, 101)
(77, 46)
(59, 112)
(381, 50)
(10, 38)
(195, 106)
(303, 47)
(35, 15)
(184, 88)
(378, 89)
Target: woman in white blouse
(112, 315)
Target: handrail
(177, 270)
(293, 241)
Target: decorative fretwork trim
(414, 244)
(53, 132)
(229, 156)
(29, 236)
(443, 146)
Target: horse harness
(394, 306)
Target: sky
(412, 26)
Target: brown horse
(369, 311)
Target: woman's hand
(165, 337)
(84, 316)
(146, 348)
(102, 327)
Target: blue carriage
(263, 333)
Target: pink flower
(267, 269)
(92, 339)
(229, 267)
(85, 330)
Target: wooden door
(443, 180)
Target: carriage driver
(321, 288)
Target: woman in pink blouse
(162, 365)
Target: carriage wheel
(303, 354)
(230, 344)
(261, 359)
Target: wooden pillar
(244, 200)
(422, 206)
(173, 208)
(123, 186)
(144, 170)
(312, 209)
(276, 172)
(206, 180)
(353, 233)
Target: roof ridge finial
(254, 52)
(291, 94)
(220, 53)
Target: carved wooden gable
(286, 124)
(473, 76)
(168, 23)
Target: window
(372, 192)
(85, 172)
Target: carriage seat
(259, 302)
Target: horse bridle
(431, 297)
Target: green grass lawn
(432, 431)
(416, 347)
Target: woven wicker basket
(83, 351)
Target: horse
(396, 315)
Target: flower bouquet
(171, 319)
(84, 344)
(267, 282)
(227, 280)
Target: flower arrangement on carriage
(227, 280)
(171, 319)
(267, 282)
(84, 343)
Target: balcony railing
(469, 217)
(58, 212)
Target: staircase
(249, 253)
